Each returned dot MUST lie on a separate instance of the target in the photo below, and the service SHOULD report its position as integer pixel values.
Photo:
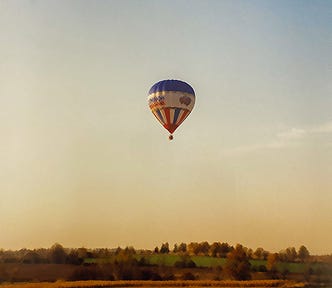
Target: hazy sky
(83, 162)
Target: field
(146, 284)
(207, 270)
(169, 260)
(209, 262)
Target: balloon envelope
(171, 101)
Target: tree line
(56, 254)
(130, 264)
(59, 255)
(218, 249)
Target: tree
(126, 265)
(215, 249)
(272, 261)
(218, 249)
(288, 255)
(185, 262)
(237, 264)
(192, 248)
(188, 276)
(291, 254)
(32, 257)
(74, 258)
(176, 248)
(58, 254)
(260, 254)
(303, 253)
(271, 264)
(203, 248)
(82, 253)
(225, 248)
(308, 272)
(164, 249)
(249, 252)
(182, 248)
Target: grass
(146, 284)
(162, 259)
(169, 260)
(257, 263)
(300, 267)
(206, 261)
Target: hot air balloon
(171, 101)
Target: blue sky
(85, 163)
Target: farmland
(59, 266)
(169, 260)
(146, 284)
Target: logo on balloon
(185, 100)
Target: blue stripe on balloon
(176, 114)
(172, 85)
(160, 115)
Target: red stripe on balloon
(168, 116)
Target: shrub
(188, 276)
(185, 264)
(262, 268)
